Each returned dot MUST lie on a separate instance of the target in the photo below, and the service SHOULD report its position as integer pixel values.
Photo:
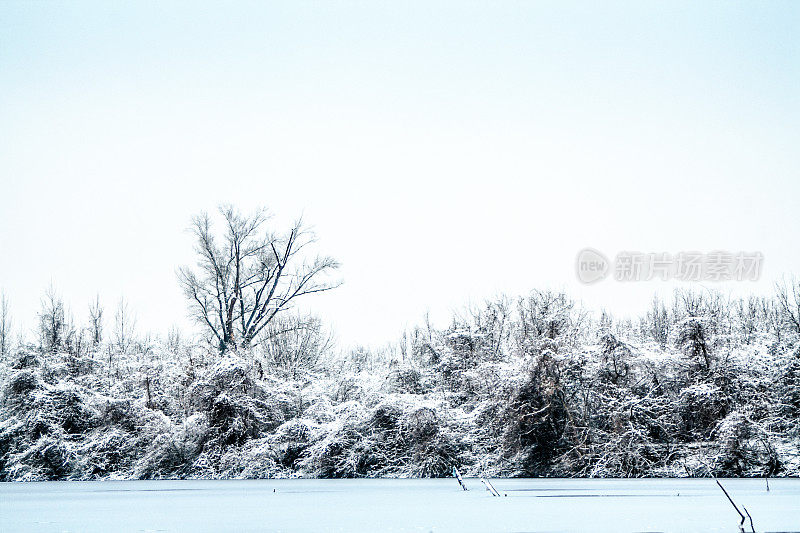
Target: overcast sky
(444, 152)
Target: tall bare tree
(246, 275)
(96, 321)
(788, 296)
(124, 325)
(5, 326)
(52, 322)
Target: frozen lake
(362, 505)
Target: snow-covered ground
(526, 505)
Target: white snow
(371, 505)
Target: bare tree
(174, 341)
(746, 315)
(657, 323)
(246, 276)
(5, 326)
(124, 325)
(96, 321)
(788, 296)
(73, 338)
(689, 303)
(52, 322)
(769, 313)
(542, 314)
(293, 343)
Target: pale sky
(444, 151)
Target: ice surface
(525, 505)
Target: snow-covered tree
(247, 275)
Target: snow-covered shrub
(320, 411)
(255, 460)
(406, 379)
(535, 420)
(20, 384)
(343, 453)
(435, 457)
(50, 457)
(434, 449)
(347, 389)
(231, 374)
(392, 439)
(169, 456)
(290, 442)
(295, 430)
(735, 457)
(169, 450)
(233, 420)
(421, 424)
(700, 407)
(615, 357)
(26, 357)
(67, 407)
(692, 336)
(120, 413)
(544, 321)
(790, 388)
(108, 452)
(633, 439)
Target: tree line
(533, 385)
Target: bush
(68, 409)
(234, 421)
(406, 380)
(699, 408)
(49, 458)
(20, 384)
(535, 420)
(734, 456)
(108, 453)
(25, 358)
(169, 456)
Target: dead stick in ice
(741, 524)
(752, 527)
(457, 475)
(490, 488)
